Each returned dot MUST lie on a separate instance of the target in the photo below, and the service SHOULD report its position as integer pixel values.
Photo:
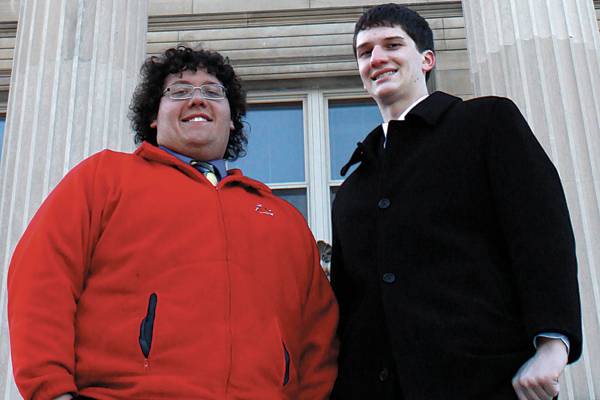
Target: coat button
(384, 375)
(384, 203)
(389, 277)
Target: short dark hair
(148, 93)
(391, 15)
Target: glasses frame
(201, 88)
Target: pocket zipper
(286, 354)
(147, 326)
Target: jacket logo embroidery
(263, 210)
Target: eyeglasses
(184, 91)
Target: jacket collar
(429, 111)
(235, 176)
(433, 107)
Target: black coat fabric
(452, 250)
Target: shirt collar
(403, 115)
(219, 164)
(235, 177)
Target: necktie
(207, 169)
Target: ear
(153, 124)
(428, 60)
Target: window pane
(1, 134)
(275, 143)
(349, 123)
(296, 197)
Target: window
(298, 142)
(276, 150)
(350, 120)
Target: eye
(213, 91)
(364, 53)
(180, 90)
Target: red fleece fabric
(243, 309)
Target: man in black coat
(453, 252)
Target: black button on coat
(478, 239)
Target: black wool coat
(452, 250)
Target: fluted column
(75, 67)
(545, 55)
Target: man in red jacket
(160, 274)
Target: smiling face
(195, 127)
(391, 67)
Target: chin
(385, 88)
(386, 96)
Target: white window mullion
(317, 167)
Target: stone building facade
(67, 69)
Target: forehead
(197, 77)
(379, 33)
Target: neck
(394, 109)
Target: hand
(537, 379)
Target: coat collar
(235, 176)
(433, 107)
(429, 111)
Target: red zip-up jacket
(138, 279)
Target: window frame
(317, 174)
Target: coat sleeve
(318, 362)
(342, 286)
(45, 280)
(533, 214)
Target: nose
(196, 98)
(378, 56)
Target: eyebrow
(181, 80)
(385, 39)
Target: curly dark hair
(148, 93)
(392, 14)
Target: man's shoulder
(105, 163)
(106, 156)
(110, 155)
(486, 102)
(439, 106)
(483, 110)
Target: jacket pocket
(286, 355)
(147, 326)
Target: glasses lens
(211, 91)
(180, 91)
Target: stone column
(75, 66)
(545, 55)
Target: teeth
(384, 75)
(197, 119)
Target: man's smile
(384, 73)
(196, 117)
